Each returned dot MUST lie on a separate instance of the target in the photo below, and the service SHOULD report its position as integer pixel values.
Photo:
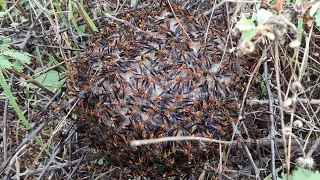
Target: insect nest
(156, 76)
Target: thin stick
(56, 150)
(60, 166)
(256, 69)
(272, 128)
(256, 169)
(215, 7)
(278, 70)
(252, 102)
(177, 138)
(313, 148)
(22, 145)
(4, 124)
(31, 80)
(235, 125)
(128, 24)
(179, 21)
(207, 30)
(22, 45)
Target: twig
(71, 74)
(60, 166)
(56, 150)
(314, 147)
(44, 109)
(244, 171)
(207, 30)
(24, 142)
(4, 123)
(255, 168)
(177, 138)
(249, 142)
(252, 102)
(57, 47)
(262, 58)
(12, 160)
(215, 7)
(31, 80)
(215, 171)
(127, 24)
(235, 125)
(22, 10)
(278, 70)
(75, 168)
(179, 21)
(22, 45)
(59, 64)
(84, 17)
(272, 128)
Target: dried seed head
(296, 87)
(294, 44)
(297, 124)
(246, 47)
(305, 162)
(287, 105)
(287, 131)
(22, 82)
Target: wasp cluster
(153, 73)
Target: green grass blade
(73, 20)
(299, 37)
(15, 106)
(61, 14)
(87, 18)
(305, 59)
(13, 102)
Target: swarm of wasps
(156, 72)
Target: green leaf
(100, 161)
(22, 57)
(263, 89)
(3, 4)
(263, 16)
(133, 3)
(4, 47)
(49, 79)
(263, 86)
(18, 66)
(4, 62)
(249, 34)
(2, 14)
(82, 28)
(5, 39)
(305, 174)
(317, 18)
(245, 24)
